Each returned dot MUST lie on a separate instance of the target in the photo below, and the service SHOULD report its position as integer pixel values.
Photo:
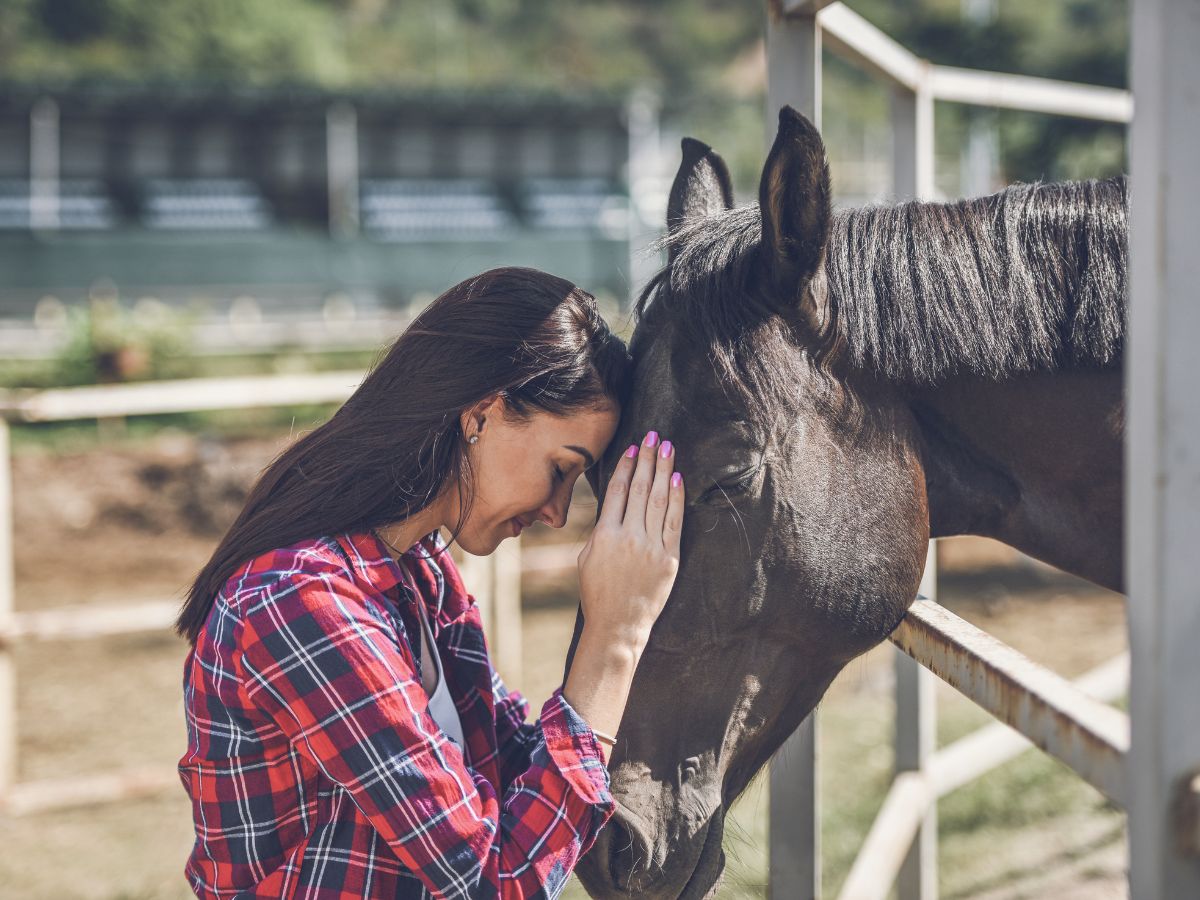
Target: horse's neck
(1034, 461)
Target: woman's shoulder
(291, 567)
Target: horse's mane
(1031, 278)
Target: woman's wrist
(597, 686)
(620, 639)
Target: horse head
(806, 524)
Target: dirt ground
(126, 524)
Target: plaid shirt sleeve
(516, 737)
(326, 670)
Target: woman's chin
(481, 545)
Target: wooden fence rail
(495, 580)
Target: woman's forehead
(587, 428)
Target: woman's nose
(554, 514)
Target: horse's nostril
(629, 853)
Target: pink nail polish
(665, 450)
(632, 451)
(676, 480)
(651, 438)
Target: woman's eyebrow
(582, 452)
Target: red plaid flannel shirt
(313, 764)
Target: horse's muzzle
(622, 863)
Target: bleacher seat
(82, 205)
(204, 204)
(575, 204)
(416, 209)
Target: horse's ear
(794, 201)
(702, 186)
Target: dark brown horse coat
(841, 387)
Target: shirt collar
(371, 560)
(430, 569)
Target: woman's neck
(401, 535)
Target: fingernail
(665, 450)
(676, 480)
(651, 438)
(632, 451)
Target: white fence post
(1163, 441)
(644, 180)
(506, 604)
(912, 143)
(495, 583)
(916, 710)
(341, 162)
(794, 808)
(793, 67)
(794, 77)
(916, 742)
(44, 152)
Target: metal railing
(1070, 721)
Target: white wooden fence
(1155, 775)
(495, 580)
(243, 330)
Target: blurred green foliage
(475, 43)
(107, 342)
(1073, 40)
(704, 57)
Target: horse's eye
(730, 485)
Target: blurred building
(290, 196)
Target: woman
(347, 736)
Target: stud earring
(473, 439)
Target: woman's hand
(629, 564)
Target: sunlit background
(202, 189)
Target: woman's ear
(474, 419)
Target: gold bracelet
(608, 739)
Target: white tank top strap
(441, 704)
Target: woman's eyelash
(558, 474)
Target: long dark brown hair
(397, 442)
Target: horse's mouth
(706, 877)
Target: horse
(843, 386)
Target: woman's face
(525, 471)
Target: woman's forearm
(601, 675)
(626, 571)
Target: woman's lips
(517, 525)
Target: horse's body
(1054, 445)
(841, 388)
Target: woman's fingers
(656, 508)
(628, 567)
(673, 523)
(639, 488)
(617, 492)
